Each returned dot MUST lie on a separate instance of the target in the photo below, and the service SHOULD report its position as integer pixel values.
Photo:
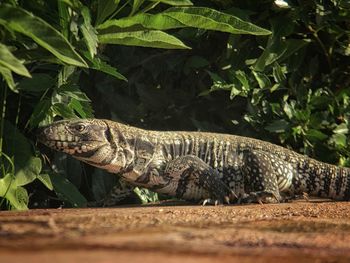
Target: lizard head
(74, 137)
(90, 140)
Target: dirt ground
(290, 232)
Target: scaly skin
(197, 166)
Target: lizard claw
(210, 201)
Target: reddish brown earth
(291, 232)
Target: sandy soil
(291, 232)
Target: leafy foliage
(276, 70)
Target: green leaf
(74, 4)
(8, 60)
(176, 17)
(103, 66)
(146, 195)
(89, 32)
(68, 167)
(7, 75)
(263, 80)
(67, 191)
(27, 166)
(288, 110)
(82, 108)
(241, 76)
(104, 9)
(19, 20)
(16, 195)
(341, 129)
(38, 83)
(136, 6)
(210, 19)
(315, 135)
(174, 2)
(72, 91)
(339, 140)
(40, 112)
(278, 50)
(154, 38)
(22, 198)
(27, 170)
(139, 22)
(278, 73)
(63, 110)
(278, 126)
(46, 180)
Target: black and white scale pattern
(196, 165)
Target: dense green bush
(274, 70)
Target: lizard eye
(79, 127)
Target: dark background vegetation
(291, 87)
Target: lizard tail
(324, 180)
(339, 184)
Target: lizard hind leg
(197, 181)
(260, 178)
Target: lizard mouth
(61, 142)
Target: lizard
(203, 167)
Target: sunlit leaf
(179, 17)
(7, 75)
(153, 38)
(89, 32)
(136, 4)
(339, 140)
(46, 180)
(174, 2)
(262, 79)
(72, 91)
(20, 20)
(83, 108)
(63, 110)
(210, 19)
(341, 129)
(146, 195)
(8, 60)
(16, 195)
(27, 166)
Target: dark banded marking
(111, 139)
(183, 182)
(347, 189)
(327, 178)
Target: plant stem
(117, 11)
(150, 7)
